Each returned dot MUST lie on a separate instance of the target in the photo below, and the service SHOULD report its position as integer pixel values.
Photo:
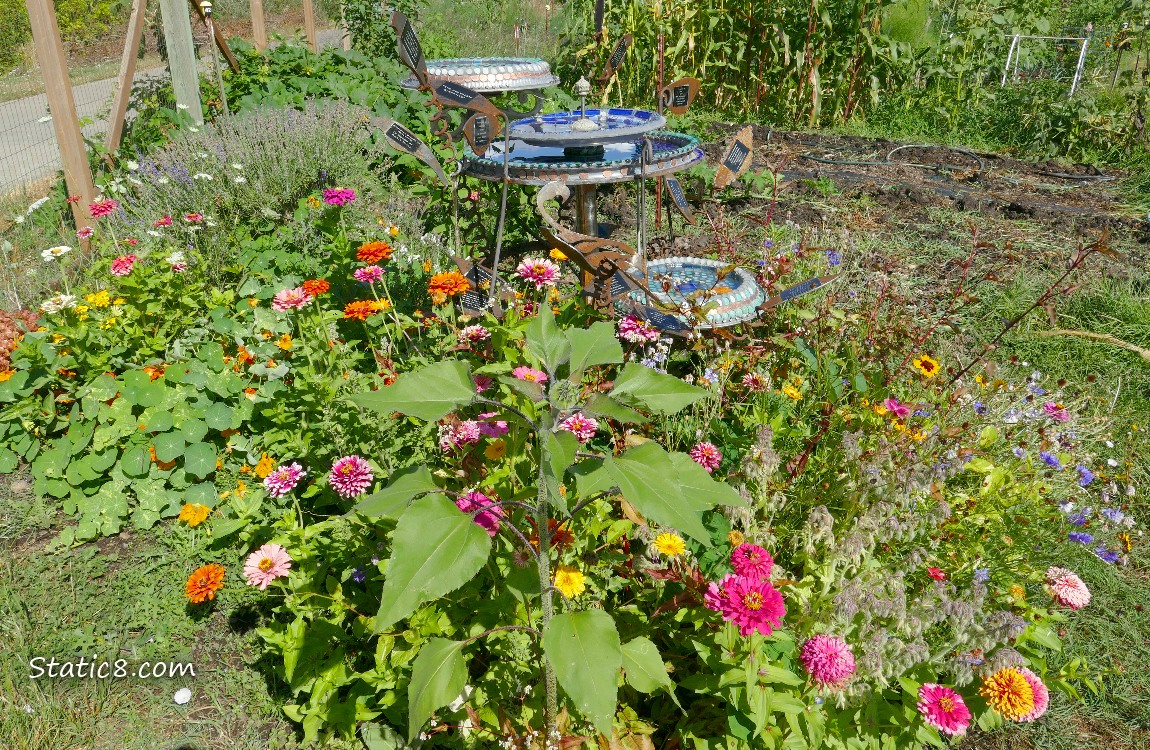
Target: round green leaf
(136, 462)
(169, 446)
(219, 417)
(200, 460)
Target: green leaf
(392, 500)
(136, 462)
(701, 489)
(596, 345)
(169, 446)
(8, 461)
(140, 390)
(199, 460)
(194, 430)
(438, 676)
(988, 437)
(662, 394)
(159, 421)
(591, 477)
(558, 453)
(545, 341)
(435, 550)
(648, 480)
(427, 394)
(583, 648)
(644, 668)
(603, 405)
(220, 417)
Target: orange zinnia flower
(316, 287)
(204, 583)
(447, 284)
(361, 309)
(373, 252)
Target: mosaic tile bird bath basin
(673, 281)
(490, 74)
(586, 128)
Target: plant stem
(545, 591)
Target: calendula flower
(350, 476)
(943, 708)
(557, 254)
(1008, 692)
(193, 514)
(791, 392)
(266, 564)
(373, 252)
(203, 584)
(828, 660)
(735, 538)
(316, 287)
(926, 364)
(707, 455)
(496, 449)
(265, 466)
(671, 545)
(447, 284)
(569, 581)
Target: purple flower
(980, 408)
(1037, 391)
(1050, 459)
(1113, 514)
(834, 257)
(1081, 537)
(359, 575)
(1106, 555)
(1020, 453)
(981, 575)
(1078, 519)
(768, 243)
(338, 196)
(1085, 476)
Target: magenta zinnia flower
(752, 561)
(482, 383)
(122, 266)
(350, 476)
(489, 427)
(1067, 589)
(580, 426)
(102, 208)
(828, 660)
(488, 518)
(636, 331)
(368, 274)
(290, 299)
(474, 334)
(338, 196)
(283, 479)
(943, 708)
(900, 411)
(1056, 412)
(193, 218)
(754, 606)
(1041, 694)
(266, 564)
(163, 221)
(538, 271)
(85, 232)
(529, 375)
(707, 455)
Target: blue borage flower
(1085, 475)
(1081, 537)
(1050, 459)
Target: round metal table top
(591, 128)
(681, 281)
(490, 74)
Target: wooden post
(127, 73)
(259, 31)
(62, 105)
(221, 43)
(182, 57)
(309, 24)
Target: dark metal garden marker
(659, 109)
(736, 160)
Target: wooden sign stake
(182, 57)
(309, 24)
(127, 74)
(259, 30)
(62, 105)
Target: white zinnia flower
(58, 303)
(202, 176)
(177, 256)
(53, 253)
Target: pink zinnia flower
(180, 266)
(488, 518)
(368, 274)
(338, 196)
(529, 375)
(754, 606)
(582, 427)
(636, 331)
(1067, 589)
(754, 382)
(290, 299)
(122, 266)
(465, 433)
(1056, 412)
(130, 241)
(489, 427)
(283, 479)
(85, 232)
(350, 476)
(266, 564)
(538, 271)
(900, 411)
(163, 221)
(1041, 694)
(474, 334)
(943, 708)
(482, 383)
(102, 208)
(707, 455)
(193, 218)
(752, 561)
(828, 660)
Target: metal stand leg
(586, 216)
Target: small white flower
(163, 181)
(181, 106)
(202, 176)
(58, 303)
(133, 165)
(177, 256)
(238, 166)
(193, 130)
(1111, 462)
(18, 219)
(182, 696)
(240, 179)
(53, 253)
(154, 233)
(1109, 443)
(36, 204)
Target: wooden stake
(62, 105)
(127, 73)
(182, 57)
(221, 42)
(309, 23)
(259, 30)
(344, 31)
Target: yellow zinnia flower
(285, 342)
(496, 450)
(558, 254)
(265, 467)
(193, 514)
(792, 392)
(670, 545)
(569, 581)
(1008, 693)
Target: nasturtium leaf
(596, 345)
(558, 453)
(193, 430)
(8, 461)
(102, 388)
(136, 462)
(199, 460)
(661, 393)
(203, 493)
(644, 668)
(169, 446)
(647, 478)
(159, 421)
(583, 648)
(700, 489)
(10, 388)
(219, 417)
(392, 500)
(438, 676)
(436, 549)
(545, 341)
(602, 405)
(428, 393)
(140, 390)
(80, 434)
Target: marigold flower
(193, 514)
(373, 252)
(943, 708)
(285, 342)
(266, 564)
(671, 545)
(570, 581)
(927, 365)
(265, 466)
(448, 284)
(204, 583)
(316, 287)
(1009, 693)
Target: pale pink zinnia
(538, 271)
(1067, 589)
(581, 426)
(1041, 694)
(102, 208)
(530, 375)
(163, 221)
(350, 476)
(85, 232)
(368, 274)
(1056, 412)
(290, 299)
(474, 334)
(636, 331)
(754, 382)
(266, 564)
(754, 606)
(193, 218)
(752, 561)
(283, 479)
(828, 660)
(489, 513)
(338, 196)
(943, 708)
(707, 455)
(900, 411)
(122, 266)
